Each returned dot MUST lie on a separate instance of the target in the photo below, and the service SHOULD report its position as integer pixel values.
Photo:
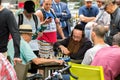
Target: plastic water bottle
(42, 28)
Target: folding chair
(21, 70)
(86, 72)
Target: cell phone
(49, 17)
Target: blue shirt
(26, 53)
(88, 12)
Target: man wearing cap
(87, 12)
(114, 11)
(28, 18)
(103, 18)
(26, 53)
(76, 45)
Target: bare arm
(43, 61)
(60, 31)
(42, 21)
(86, 19)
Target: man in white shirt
(97, 36)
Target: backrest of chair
(86, 72)
(21, 70)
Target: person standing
(49, 36)
(8, 26)
(87, 12)
(28, 17)
(103, 18)
(62, 12)
(118, 3)
(114, 11)
(7, 71)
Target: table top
(52, 64)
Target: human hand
(17, 60)
(47, 21)
(59, 61)
(64, 50)
(57, 20)
(64, 14)
(40, 34)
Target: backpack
(44, 14)
(20, 20)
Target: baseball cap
(25, 28)
(29, 6)
(88, 0)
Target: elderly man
(26, 53)
(103, 18)
(114, 11)
(87, 12)
(76, 45)
(109, 58)
(118, 3)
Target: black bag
(20, 20)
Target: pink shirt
(7, 71)
(49, 37)
(109, 58)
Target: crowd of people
(95, 40)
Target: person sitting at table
(109, 58)
(26, 53)
(76, 45)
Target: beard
(73, 46)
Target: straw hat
(25, 28)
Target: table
(49, 67)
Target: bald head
(99, 30)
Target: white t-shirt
(90, 53)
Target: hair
(116, 39)
(83, 37)
(102, 1)
(44, 1)
(99, 30)
(78, 27)
(0, 2)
